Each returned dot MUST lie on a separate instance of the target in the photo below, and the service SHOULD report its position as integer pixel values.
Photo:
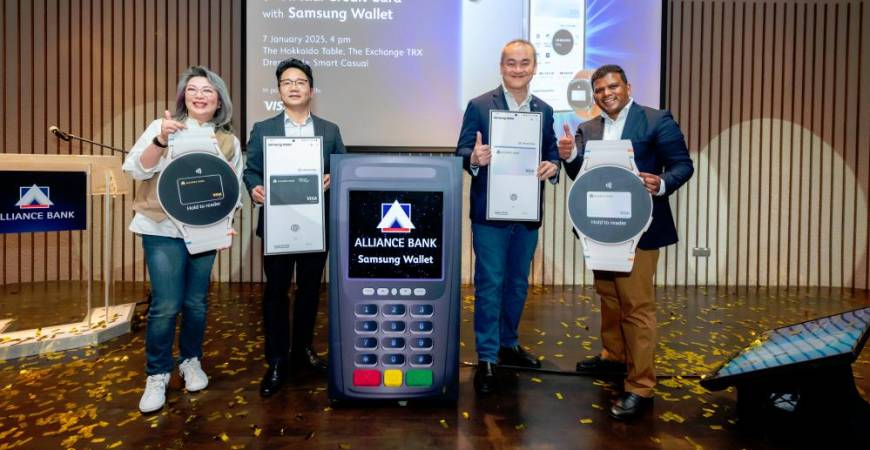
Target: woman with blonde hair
(179, 280)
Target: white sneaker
(194, 378)
(155, 393)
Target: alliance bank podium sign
(32, 201)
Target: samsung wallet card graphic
(200, 189)
(294, 190)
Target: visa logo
(273, 105)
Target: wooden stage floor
(88, 398)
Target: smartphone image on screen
(557, 30)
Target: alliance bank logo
(34, 197)
(396, 218)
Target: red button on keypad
(366, 378)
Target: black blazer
(253, 174)
(477, 119)
(659, 148)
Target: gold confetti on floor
(672, 417)
(87, 398)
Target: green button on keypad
(418, 378)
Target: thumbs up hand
(481, 154)
(566, 142)
(168, 127)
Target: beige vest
(146, 202)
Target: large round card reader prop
(199, 190)
(609, 206)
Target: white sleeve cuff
(661, 188)
(573, 155)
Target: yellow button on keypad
(393, 378)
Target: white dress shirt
(293, 129)
(525, 106)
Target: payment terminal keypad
(393, 344)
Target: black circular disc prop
(606, 184)
(198, 189)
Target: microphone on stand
(64, 136)
(59, 133)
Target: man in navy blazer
(295, 85)
(628, 321)
(503, 249)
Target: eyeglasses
(206, 91)
(300, 83)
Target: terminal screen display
(395, 234)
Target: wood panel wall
(102, 69)
(772, 97)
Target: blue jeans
(179, 283)
(501, 281)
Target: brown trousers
(628, 320)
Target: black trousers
(276, 304)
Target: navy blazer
(274, 126)
(659, 148)
(477, 119)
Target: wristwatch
(199, 190)
(609, 205)
(580, 96)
